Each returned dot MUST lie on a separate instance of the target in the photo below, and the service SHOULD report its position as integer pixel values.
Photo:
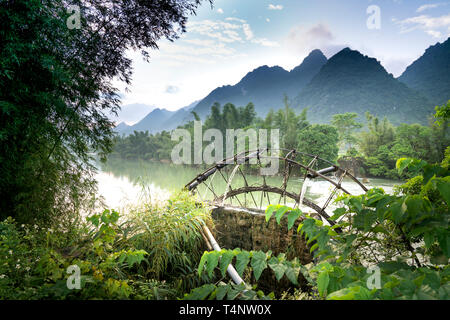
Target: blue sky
(224, 43)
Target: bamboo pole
(231, 270)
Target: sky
(225, 42)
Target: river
(125, 183)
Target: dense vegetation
(381, 247)
(150, 254)
(430, 75)
(352, 82)
(56, 93)
(375, 148)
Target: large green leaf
(351, 293)
(292, 274)
(258, 263)
(200, 293)
(444, 188)
(280, 213)
(212, 261)
(322, 282)
(225, 260)
(202, 263)
(278, 267)
(222, 291)
(269, 212)
(293, 216)
(242, 260)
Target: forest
(375, 145)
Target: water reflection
(123, 183)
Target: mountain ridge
(431, 68)
(347, 82)
(353, 82)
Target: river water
(124, 183)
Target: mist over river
(124, 183)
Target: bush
(151, 255)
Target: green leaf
(352, 293)
(225, 260)
(428, 238)
(200, 293)
(293, 216)
(402, 164)
(212, 261)
(322, 282)
(356, 203)
(278, 267)
(242, 260)
(444, 242)
(397, 210)
(280, 213)
(292, 274)
(202, 262)
(339, 212)
(444, 188)
(221, 291)
(269, 212)
(258, 263)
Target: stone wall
(248, 230)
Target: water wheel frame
(291, 163)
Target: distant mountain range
(352, 82)
(347, 82)
(159, 120)
(265, 86)
(430, 74)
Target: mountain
(159, 120)
(132, 113)
(352, 82)
(179, 117)
(152, 122)
(265, 86)
(430, 74)
(122, 127)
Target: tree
(443, 115)
(379, 134)
(321, 140)
(346, 125)
(56, 92)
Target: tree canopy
(56, 92)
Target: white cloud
(267, 19)
(265, 42)
(171, 89)
(303, 40)
(428, 24)
(221, 34)
(235, 19)
(434, 34)
(429, 6)
(233, 35)
(215, 30)
(220, 10)
(275, 7)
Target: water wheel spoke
(334, 190)
(292, 168)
